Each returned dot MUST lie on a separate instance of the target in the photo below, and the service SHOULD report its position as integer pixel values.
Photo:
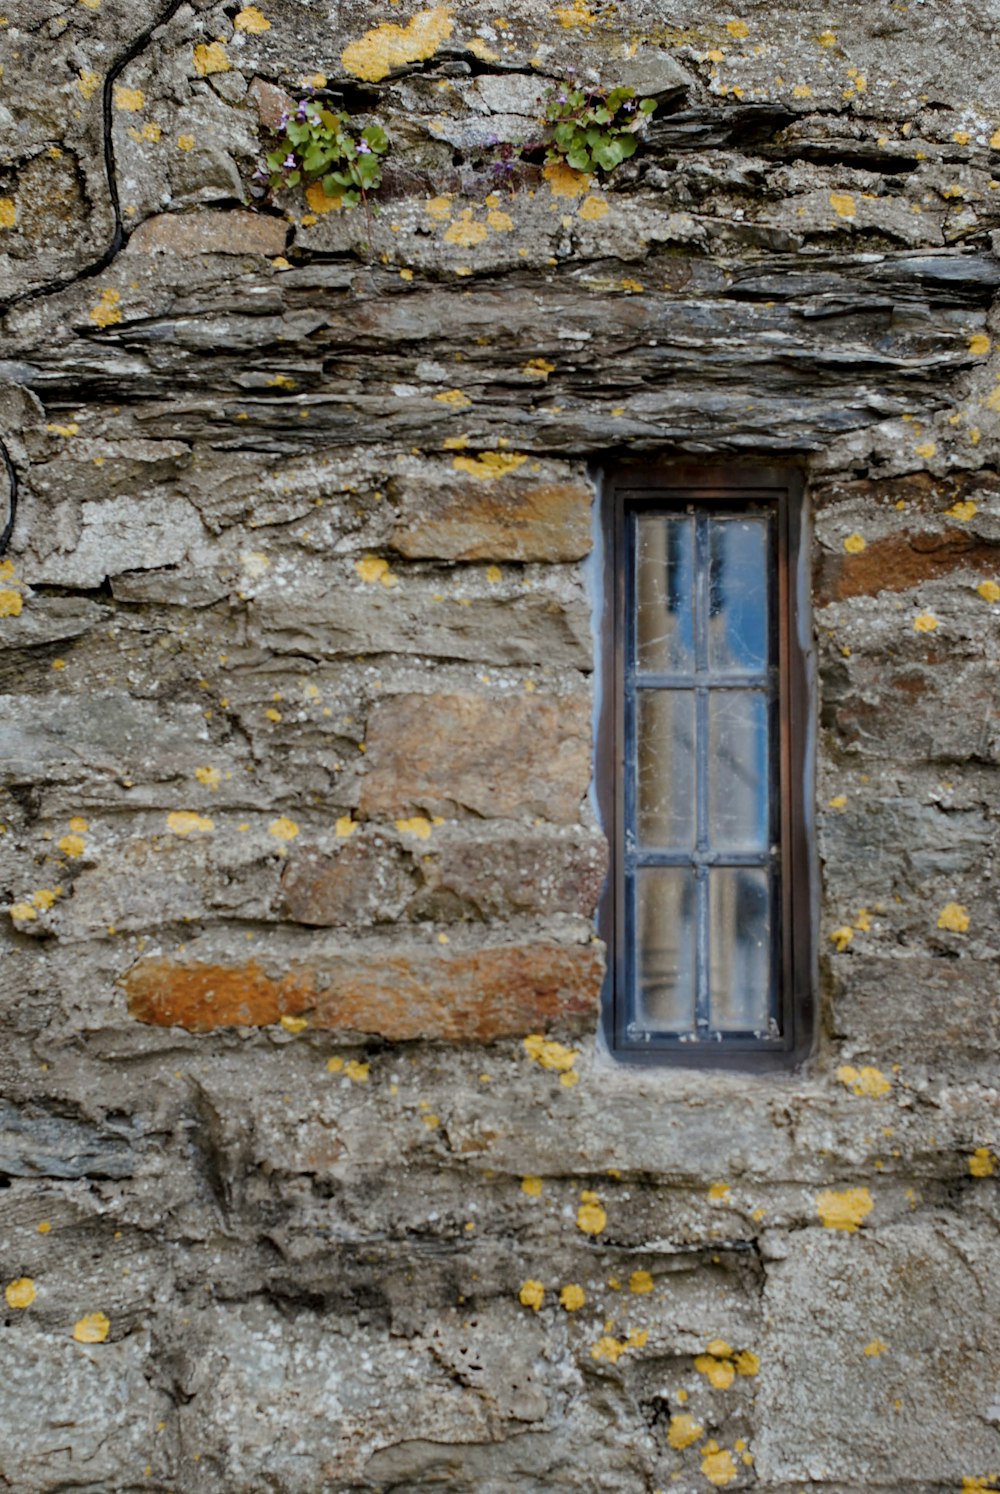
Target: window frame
(715, 486)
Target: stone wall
(316, 1178)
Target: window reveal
(709, 897)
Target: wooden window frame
(633, 486)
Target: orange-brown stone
(210, 233)
(901, 561)
(491, 756)
(503, 520)
(418, 993)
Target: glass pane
(664, 622)
(738, 776)
(738, 588)
(665, 769)
(739, 949)
(665, 941)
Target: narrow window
(704, 769)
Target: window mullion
(702, 932)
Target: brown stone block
(502, 520)
(417, 993)
(900, 561)
(494, 757)
(364, 882)
(494, 875)
(210, 233)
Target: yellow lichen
(590, 1216)
(875, 1348)
(640, 1282)
(843, 204)
(719, 1372)
(979, 344)
(574, 13)
(345, 827)
(20, 1293)
(718, 1193)
(494, 574)
(747, 1363)
(532, 1294)
(417, 825)
(550, 1054)
(186, 822)
(23, 912)
(499, 221)
(438, 208)
(925, 450)
(532, 1186)
(107, 311)
(989, 591)
(738, 29)
(381, 50)
(357, 1071)
(11, 603)
(868, 1082)
(490, 465)
(717, 1465)
(319, 202)
(981, 1163)
(71, 429)
(854, 544)
(802, 91)
(373, 568)
(43, 1227)
(844, 1210)
(842, 937)
(92, 1329)
(209, 58)
(593, 209)
(251, 20)
(612, 1349)
(684, 1431)
(963, 511)
(150, 133)
(564, 181)
(954, 918)
(572, 1297)
(129, 100)
(466, 232)
(827, 39)
(926, 622)
(987, 1483)
(538, 368)
(72, 845)
(454, 398)
(283, 828)
(479, 48)
(839, 801)
(335, 1065)
(294, 1025)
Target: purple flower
(259, 175)
(285, 117)
(364, 149)
(289, 163)
(302, 112)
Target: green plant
(599, 129)
(319, 145)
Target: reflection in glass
(664, 624)
(739, 948)
(738, 776)
(737, 629)
(665, 769)
(665, 944)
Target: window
(703, 768)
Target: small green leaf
(647, 106)
(579, 159)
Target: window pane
(665, 769)
(738, 770)
(737, 632)
(739, 949)
(664, 623)
(665, 945)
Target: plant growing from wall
(596, 129)
(320, 145)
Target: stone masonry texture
(315, 1177)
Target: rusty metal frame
(625, 488)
